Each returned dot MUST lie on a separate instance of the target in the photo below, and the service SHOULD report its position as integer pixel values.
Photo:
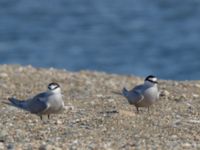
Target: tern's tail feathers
(125, 92)
(18, 103)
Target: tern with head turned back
(143, 95)
(45, 103)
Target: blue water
(160, 37)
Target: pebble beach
(97, 117)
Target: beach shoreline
(99, 118)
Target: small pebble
(197, 85)
(11, 147)
(42, 147)
(186, 145)
(58, 122)
(2, 147)
(3, 135)
(164, 93)
(195, 95)
(3, 75)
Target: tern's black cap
(53, 86)
(151, 78)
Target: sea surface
(131, 37)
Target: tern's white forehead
(153, 79)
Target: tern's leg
(48, 116)
(41, 117)
(137, 109)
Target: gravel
(98, 118)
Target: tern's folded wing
(135, 97)
(38, 104)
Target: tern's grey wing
(139, 97)
(135, 96)
(38, 103)
(139, 88)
